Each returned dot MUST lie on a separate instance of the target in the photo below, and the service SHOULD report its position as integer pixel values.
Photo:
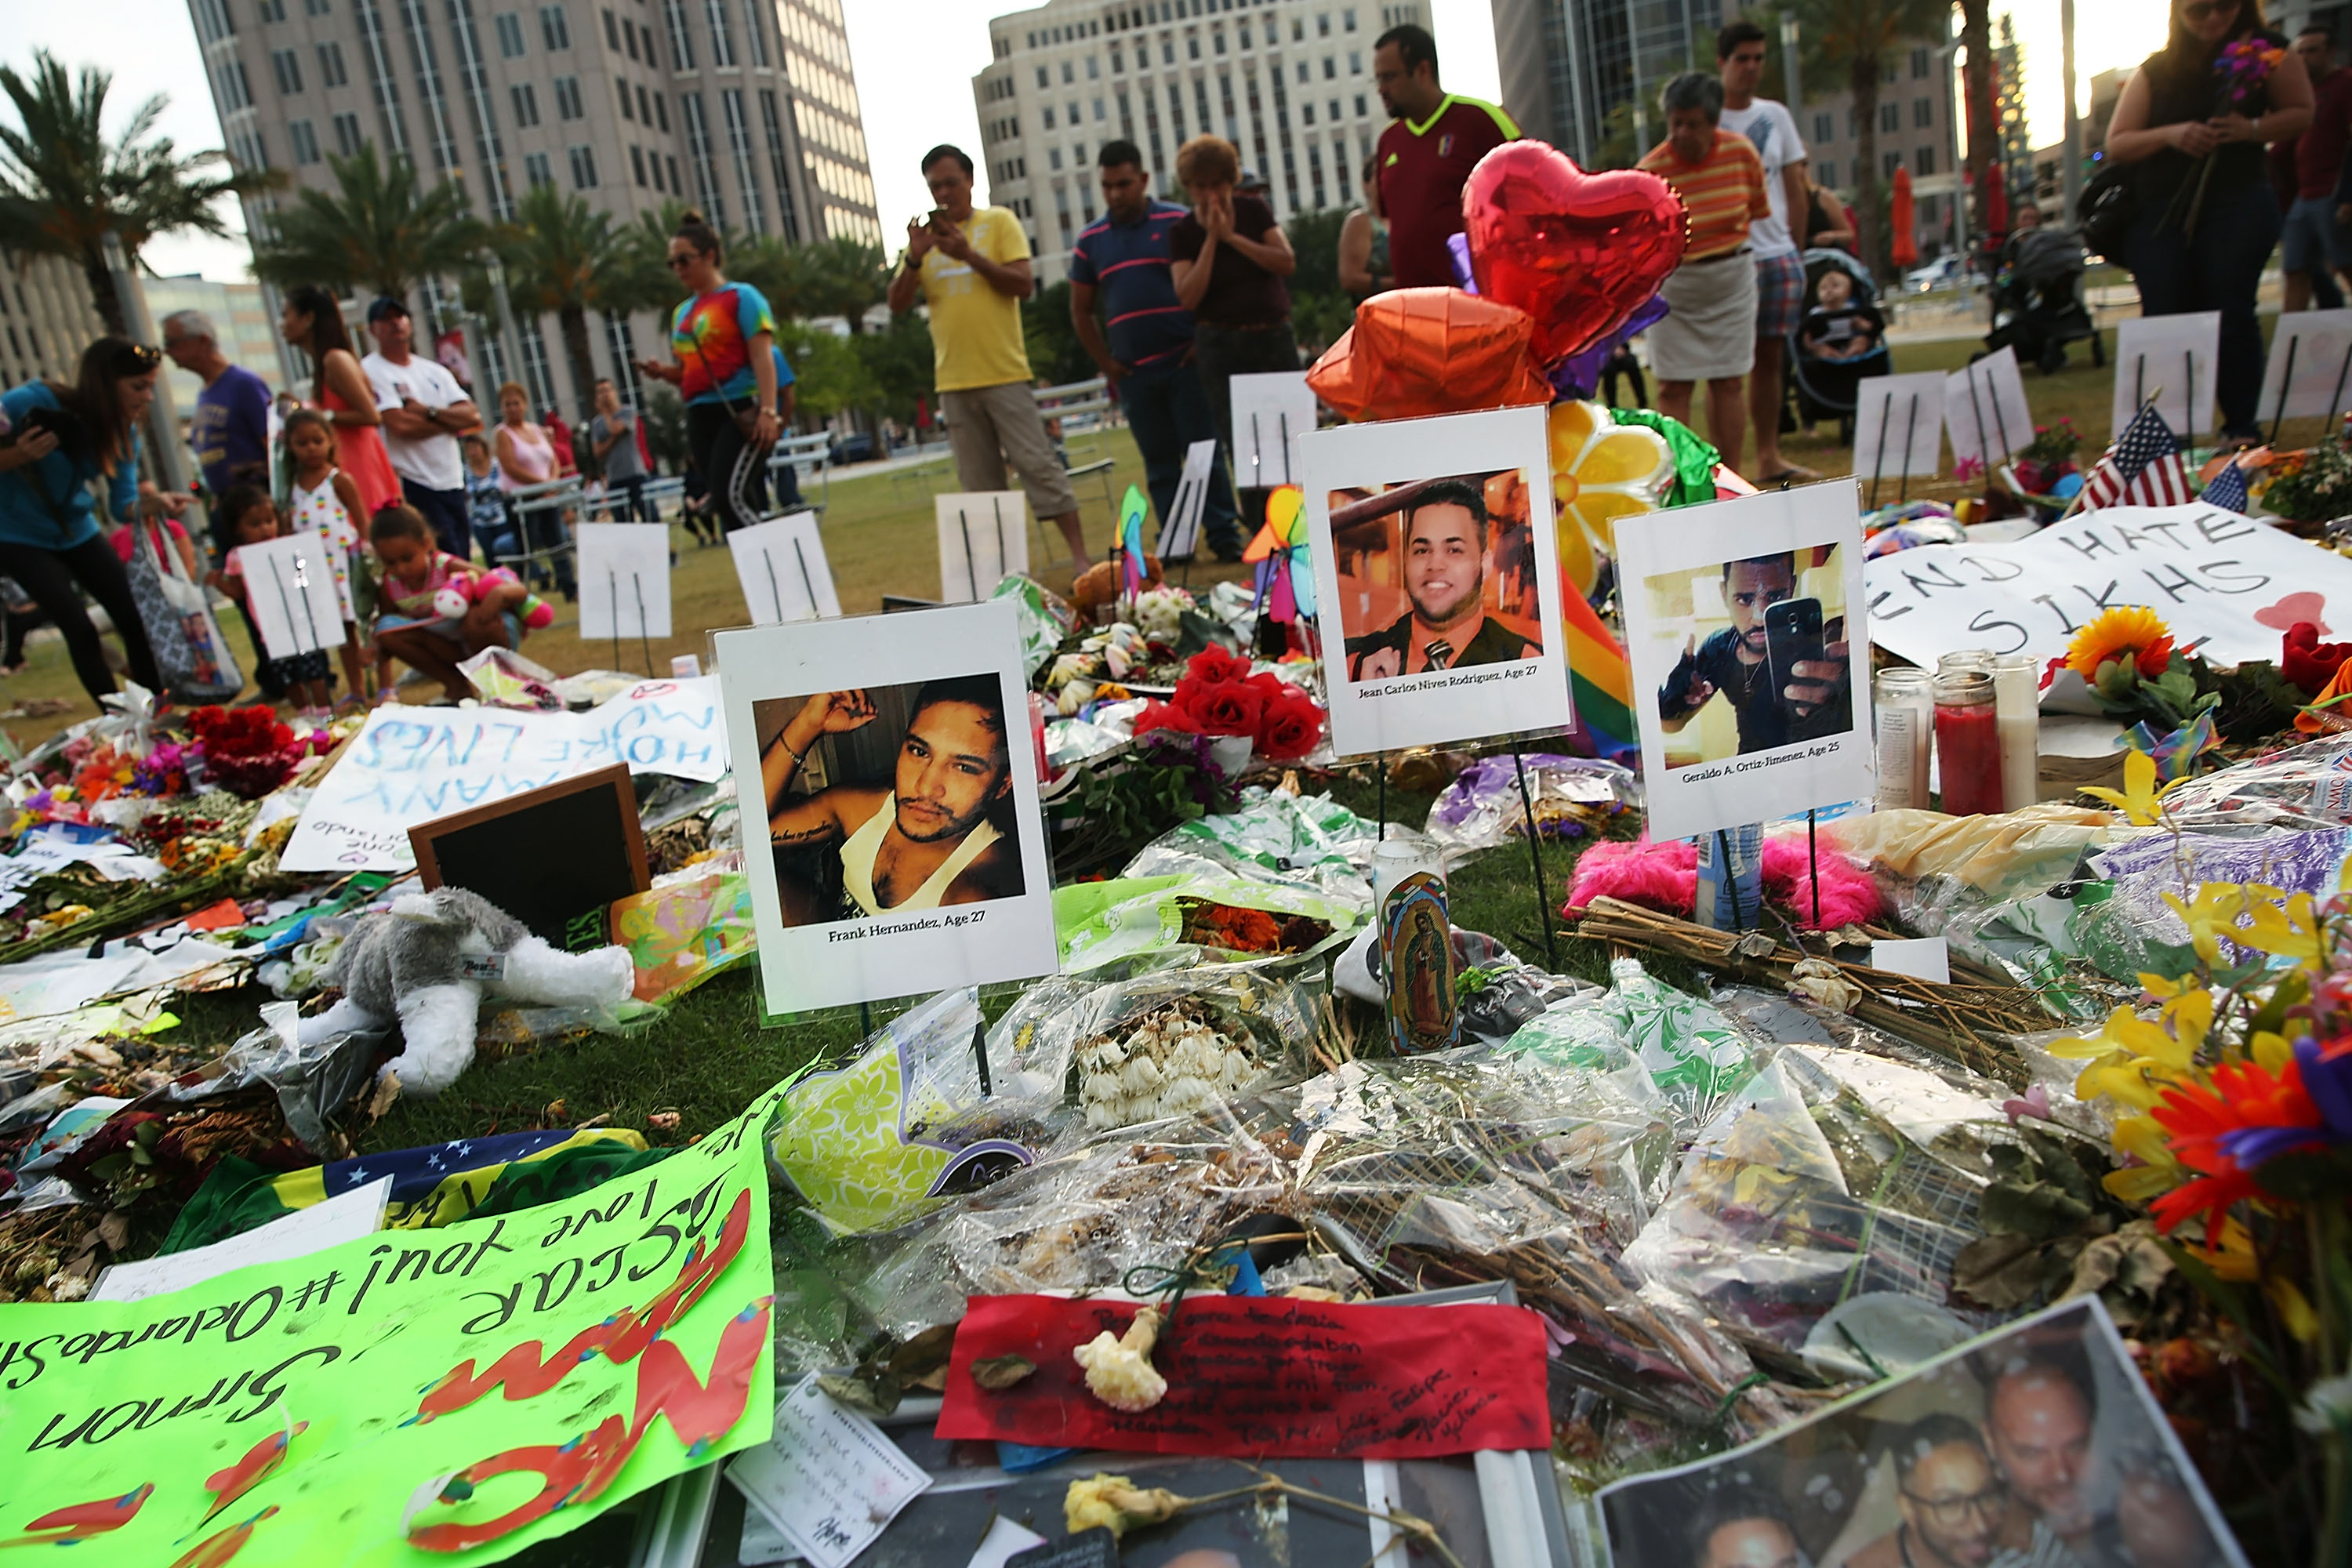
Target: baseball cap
(385, 305)
(1252, 180)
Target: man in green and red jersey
(1426, 155)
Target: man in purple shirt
(1148, 357)
(230, 432)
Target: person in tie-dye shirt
(727, 368)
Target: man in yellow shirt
(971, 267)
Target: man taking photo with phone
(1816, 700)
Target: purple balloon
(1576, 376)
(1457, 246)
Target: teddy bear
(430, 959)
(452, 602)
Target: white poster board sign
(1437, 579)
(1271, 414)
(623, 580)
(289, 586)
(410, 764)
(983, 535)
(2169, 359)
(1743, 623)
(2228, 587)
(907, 849)
(828, 1478)
(346, 1216)
(783, 571)
(1180, 531)
(1898, 426)
(1985, 411)
(2309, 372)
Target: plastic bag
(1311, 843)
(681, 934)
(1043, 617)
(1691, 1051)
(1481, 809)
(311, 1081)
(2018, 852)
(2308, 785)
(1100, 922)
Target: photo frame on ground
(1437, 579)
(1985, 411)
(289, 586)
(1898, 427)
(624, 576)
(1271, 413)
(1179, 531)
(2169, 359)
(2039, 1441)
(783, 568)
(983, 535)
(893, 765)
(2309, 372)
(1729, 610)
(556, 858)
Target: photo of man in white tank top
(937, 830)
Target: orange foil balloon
(1415, 352)
(1579, 253)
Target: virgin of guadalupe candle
(1416, 950)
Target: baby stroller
(2037, 301)
(1825, 388)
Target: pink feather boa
(1665, 877)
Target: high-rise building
(46, 317)
(242, 322)
(1289, 82)
(1917, 92)
(746, 109)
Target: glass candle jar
(2017, 710)
(1966, 658)
(1968, 743)
(1904, 702)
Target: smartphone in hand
(1792, 635)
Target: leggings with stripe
(736, 470)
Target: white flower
(1120, 1371)
(1142, 1075)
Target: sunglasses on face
(2197, 10)
(677, 263)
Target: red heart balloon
(1579, 253)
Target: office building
(46, 317)
(1917, 91)
(746, 109)
(1289, 82)
(245, 328)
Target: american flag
(2142, 468)
(2227, 490)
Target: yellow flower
(2286, 927)
(1116, 1504)
(2127, 631)
(2131, 1058)
(2213, 914)
(2157, 1171)
(2294, 1311)
(2138, 798)
(1601, 471)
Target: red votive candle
(1968, 743)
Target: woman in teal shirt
(58, 440)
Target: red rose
(1213, 666)
(2306, 662)
(1229, 709)
(1159, 715)
(1289, 728)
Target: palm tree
(378, 230)
(64, 187)
(558, 254)
(1854, 39)
(775, 269)
(840, 277)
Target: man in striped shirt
(1709, 332)
(1148, 357)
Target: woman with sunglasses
(58, 440)
(726, 368)
(2169, 120)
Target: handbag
(2107, 208)
(191, 656)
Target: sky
(915, 62)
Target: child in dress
(493, 520)
(249, 517)
(325, 499)
(415, 624)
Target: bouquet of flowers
(2135, 673)
(2310, 485)
(2241, 74)
(247, 751)
(1219, 696)
(2049, 458)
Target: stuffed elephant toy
(428, 962)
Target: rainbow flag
(1600, 679)
(1131, 508)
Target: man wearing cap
(425, 412)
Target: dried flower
(1116, 1504)
(1120, 1371)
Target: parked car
(857, 446)
(1944, 272)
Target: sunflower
(2127, 631)
(1601, 471)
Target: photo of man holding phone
(1783, 669)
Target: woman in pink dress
(312, 322)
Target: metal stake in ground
(1813, 856)
(1984, 447)
(2285, 380)
(1383, 766)
(2139, 381)
(278, 576)
(980, 1059)
(1878, 464)
(643, 645)
(1999, 424)
(970, 563)
(2335, 397)
(808, 584)
(1910, 428)
(774, 592)
(1002, 558)
(1730, 878)
(1535, 856)
(309, 612)
(613, 587)
(1284, 425)
(2188, 395)
(1257, 455)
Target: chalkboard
(554, 857)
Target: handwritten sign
(2227, 586)
(444, 1396)
(1264, 1377)
(412, 765)
(828, 1478)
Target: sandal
(1794, 474)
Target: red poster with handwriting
(1264, 1377)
